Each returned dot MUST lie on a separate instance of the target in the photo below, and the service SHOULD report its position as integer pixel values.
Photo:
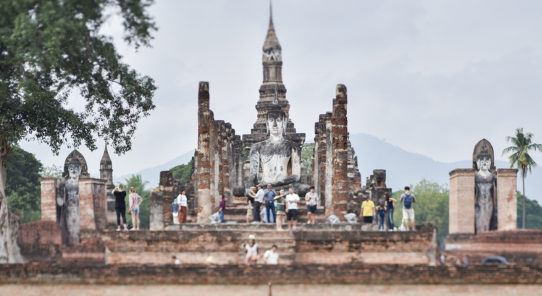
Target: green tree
(53, 171)
(533, 213)
(522, 144)
(50, 49)
(432, 205)
(144, 209)
(307, 154)
(23, 190)
(183, 171)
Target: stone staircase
(284, 240)
(237, 211)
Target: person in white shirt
(271, 256)
(251, 250)
(312, 199)
(291, 207)
(258, 203)
(182, 202)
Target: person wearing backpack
(408, 210)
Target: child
(249, 210)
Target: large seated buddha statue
(277, 160)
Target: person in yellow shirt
(367, 210)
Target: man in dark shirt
(120, 205)
(269, 199)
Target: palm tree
(522, 143)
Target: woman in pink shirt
(135, 201)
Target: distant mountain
(407, 168)
(402, 167)
(152, 175)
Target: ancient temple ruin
(227, 164)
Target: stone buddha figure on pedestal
(486, 187)
(67, 201)
(277, 160)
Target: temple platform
(221, 244)
(522, 246)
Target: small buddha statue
(67, 202)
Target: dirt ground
(328, 290)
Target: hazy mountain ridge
(152, 175)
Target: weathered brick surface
(462, 199)
(48, 199)
(507, 198)
(92, 204)
(517, 246)
(40, 240)
(40, 273)
(222, 245)
(335, 167)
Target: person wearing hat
(251, 250)
(367, 210)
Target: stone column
(156, 211)
(203, 169)
(339, 137)
(507, 198)
(48, 199)
(462, 201)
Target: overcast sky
(431, 77)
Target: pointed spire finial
(270, 12)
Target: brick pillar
(507, 198)
(339, 137)
(462, 200)
(92, 203)
(48, 199)
(203, 169)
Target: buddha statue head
(482, 158)
(74, 168)
(276, 123)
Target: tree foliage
(50, 49)
(533, 213)
(522, 144)
(432, 205)
(144, 209)
(183, 171)
(23, 189)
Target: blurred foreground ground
(328, 290)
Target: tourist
(390, 207)
(271, 256)
(135, 200)
(251, 250)
(175, 260)
(408, 210)
(367, 210)
(175, 211)
(250, 215)
(222, 208)
(120, 206)
(182, 203)
(251, 195)
(269, 198)
(291, 207)
(381, 210)
(279, 200)
(312, 199)
(258, 203)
